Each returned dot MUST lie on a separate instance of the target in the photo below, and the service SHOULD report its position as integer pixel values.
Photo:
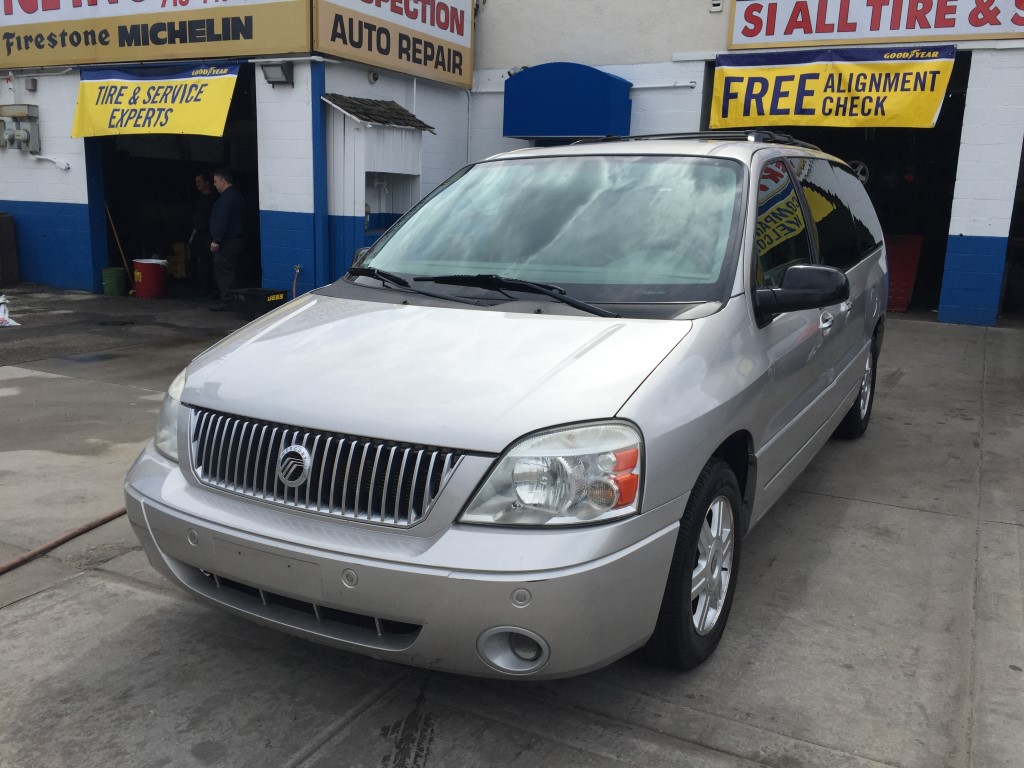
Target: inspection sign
(431, 39)
(193, 100)
(841, 88)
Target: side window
(837, 238)
(781, 235)
(865, 220)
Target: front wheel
(702, 578)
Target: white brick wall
(486, 137)
(990, 145)
(285, 142)
(447, 109)
(511, 33)
(663, 102)
(24, 178)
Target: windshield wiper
(401, 282)
(499, 283)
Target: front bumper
(419, 599)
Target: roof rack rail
(754, 134)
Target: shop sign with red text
(782, 23)
(432, 39)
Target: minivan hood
(459, 378)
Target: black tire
(855, 422)
(676, 641)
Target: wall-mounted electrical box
(19, 127)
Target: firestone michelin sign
(431, 39)
(36, 33)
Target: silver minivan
(527, 432)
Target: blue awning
(564, 100)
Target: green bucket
(115, 281)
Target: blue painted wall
(55, 244)
(288, 239)
(349, 233)
(972, 280)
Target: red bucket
(904, 252)
(150, 278)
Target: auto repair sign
(782, 23)
(866, 87)
(431, 39)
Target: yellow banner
(884, 88)
(194, 101)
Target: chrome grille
(355, 478)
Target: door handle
(826, 321)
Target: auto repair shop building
(383, 100)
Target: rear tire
(702, 579)
(855, 423)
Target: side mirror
(359, 256)
(804, 286)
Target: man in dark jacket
(227, 228)
(199, 242)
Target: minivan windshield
(610, 228)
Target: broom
(131, 277)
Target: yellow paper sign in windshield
(193, 101)
(892, 88)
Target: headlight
(167, 427)
(575, 475)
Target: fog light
(513, 650)
(526, 648)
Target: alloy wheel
(866, 385)
(712, 567)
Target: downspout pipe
(321, 243)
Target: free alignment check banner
(843, 88)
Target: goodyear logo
(209, 71)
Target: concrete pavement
(879, 619)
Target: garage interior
(150, 190)
(910, 174)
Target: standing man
(227, 230)
(199, 242)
